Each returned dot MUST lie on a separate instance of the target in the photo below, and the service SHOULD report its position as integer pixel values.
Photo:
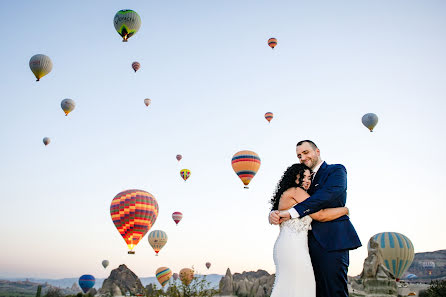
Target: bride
(294, 271)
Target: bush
(436, 289)
(54, 292)
(199, 287)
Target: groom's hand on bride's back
(274, 217)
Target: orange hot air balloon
(186, 275)
(272, 42)
(177, 216)
(269, 116)
(246, 164)
(133, 212)
(136, 66)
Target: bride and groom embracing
(311, 253)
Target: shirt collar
(317, 168)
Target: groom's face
(307, 154)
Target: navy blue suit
(329, 242)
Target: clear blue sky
(211, 77)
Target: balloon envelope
(67, 105)
(86, 282)
(46, 140)
(370, 120)
(175, 276)
(147, 101)
(269, 116)
(133, 212)
(105, 263)
(127, 22)
(185, 174)
(157, 239)
(272, 42)
(246, 164)
(208, 265)
(186, 275)
(136, 66)
(163, 275)
(177, 216)
(179, 157)
(40, 65)
(397, 250)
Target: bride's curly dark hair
(287, 181)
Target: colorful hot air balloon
(185, 174)
(177, 216)
(127, 22)
(86, 282)
(136, 66)
(157, 240)
(67, 105)
(370, 120)
(133, 212)
(186, 275)
(272, 42)
(40, 65)
(208, 265)
(179, 157)
(46, 140)
(397, 251)
(147, 101)
(245, 165)
(105, 263)
(175, 276)
(269, 116)
(163, 275)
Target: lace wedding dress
(294, 272)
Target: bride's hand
(284, 216)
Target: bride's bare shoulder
(299, 194)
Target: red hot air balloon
(177, 216)
(272, 42)
(179, 157)
(269, 116)
(136, 66)
(133, 212)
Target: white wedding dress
(294, 272)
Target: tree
(39, 291)
(54, 292)
(436, 289)
(199, 287)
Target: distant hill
(429, 265)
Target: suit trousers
(330, 269)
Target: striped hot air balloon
(272, 42)
(133, 212)
(185, 174)
(186, 275)
(163, 275)
(269, 116)
(177, 216)
(157, 239)
(127, 22)
(40, 65)
(136, 66)
(86, 282)
(397, 251)
(246, 164)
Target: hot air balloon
(269, 116)
(245, 165)
(86, 282)
(428, 266)
(175, 276)
(208, 265)
(136, 66)
(179, 157)
(147, 101)
(370, 120)
(397, 250)
(105, 263)
(185, 174)
(127, 22)
(67, 105)
(177, 216)
(46, 140)
(272, 42)
(157, 239)
(186, 275)
(163, 275)
(40, 65)
(133, 212)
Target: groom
(329, 242)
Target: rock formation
(247, 284)
(375, 280)
(121, 281)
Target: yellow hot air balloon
(40, 65)
(397, 251)
(163, 275)
(186, 275)
(157, 239)
(185, 173)
(246, 164)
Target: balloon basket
(246, 187)
(131, 252)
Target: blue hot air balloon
(86, 282)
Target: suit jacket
(328, 190)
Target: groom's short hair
(309, 141)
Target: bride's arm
(329, 214)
